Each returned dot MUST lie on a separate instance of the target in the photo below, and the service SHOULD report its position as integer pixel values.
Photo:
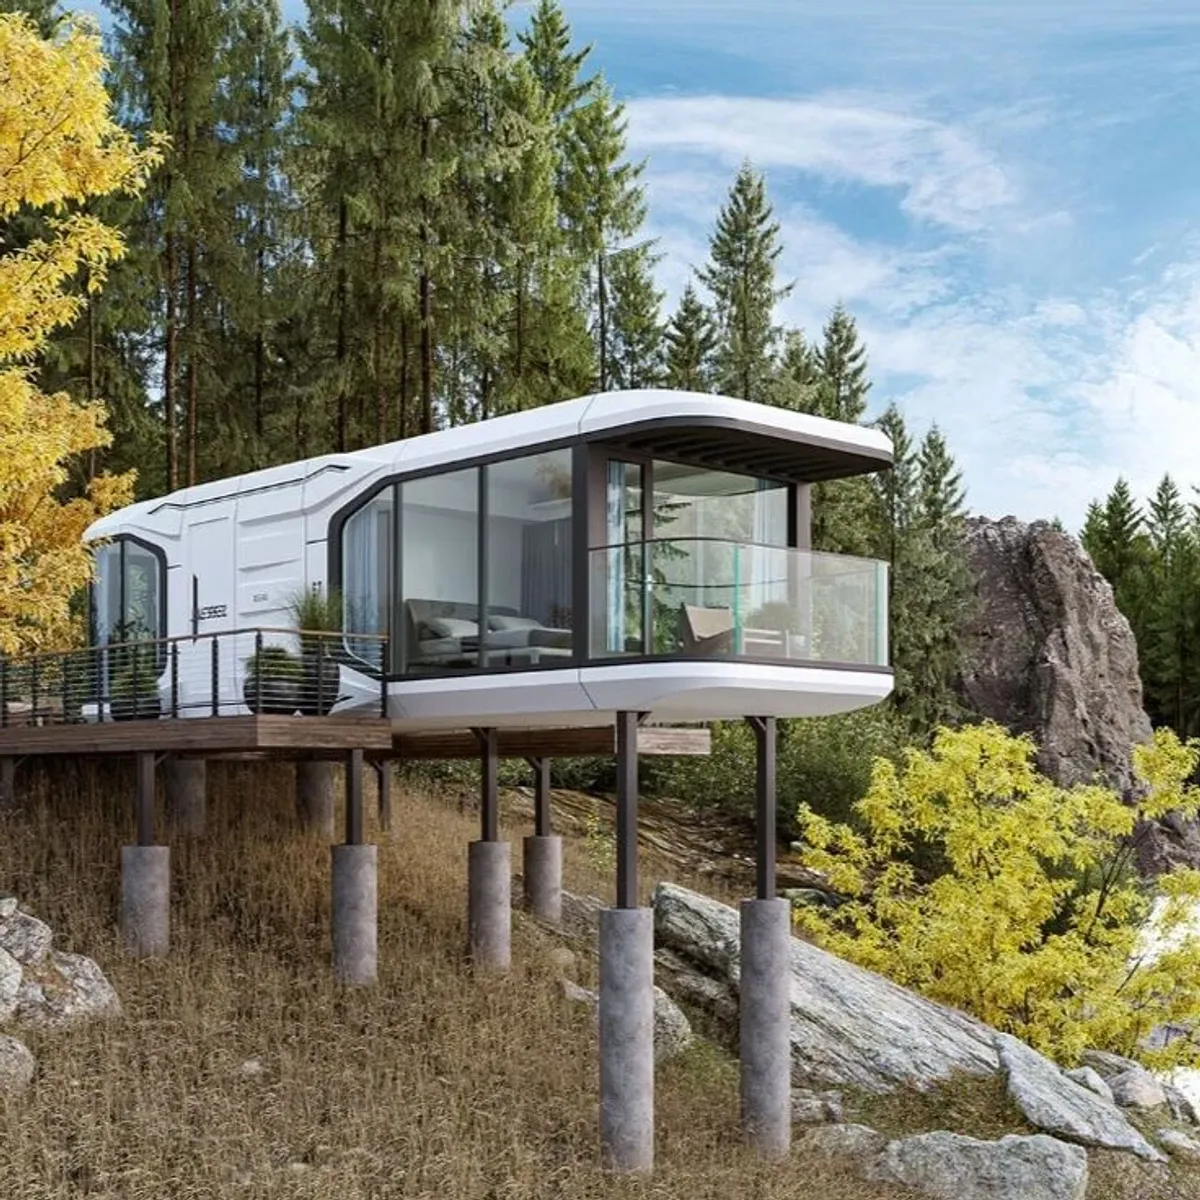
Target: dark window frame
(589, 461)
(159, 555)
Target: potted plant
(133, 686)
(318, 615)
(274, 681)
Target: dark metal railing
(231, 672)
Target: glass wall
(528, 552)
(439, 571)
(367, 564)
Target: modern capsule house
(640, 550)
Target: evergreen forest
(401, 216)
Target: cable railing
(286, 672)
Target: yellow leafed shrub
(59, 147)
(975, 880)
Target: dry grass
(432, 1084)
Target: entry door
(206, 588)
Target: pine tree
(1168, 638)
(796, 380)
(942, 495)
(691, 344)
(842, 366)
(636, 341)
(604, 202)
(257, 109)
(740, 275)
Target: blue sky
(1004, 194)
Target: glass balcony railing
(707, 598)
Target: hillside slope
(239, 1070)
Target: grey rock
(26, 938)
(1137, 1089)
(816, 1108)
(8, 906)
(69, 989)
(1181, 1146)
(951, 1167)
(562, 962)
(1089, 1078)
(16, 1066)
(1182, 1109)
(1053, 1103)
(580, 914)
(1049, 653)
(10, 984)
(672, 1030)
(252, 1068)
(850, 1027)
(1106, 1064)
(856, 1143)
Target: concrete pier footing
(185, 784)
(764, 1024)
(489, 905)
(542, 859)
(627, 1039)
(145, 918)
(316, 796)
(355, 914)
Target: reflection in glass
(528, 532)
(367, 573)
(440, 571)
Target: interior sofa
(445, 633)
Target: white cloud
(942, 173)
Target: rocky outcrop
(949, 1166)
(44, 987)
(1049, 654)
(850, 1027)
(1051, 1101)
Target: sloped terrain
(238, 1069)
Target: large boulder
(1049, 1100)
(43, 987)
(1049, 654)
(850, 1027)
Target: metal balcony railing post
(35, 663)
(215, 677)
(258, 671)
(384, 659)
(320, 674)
(3, 693)
(174, 679)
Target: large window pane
(143, 619)
(439, 617)
(367, 574)
(529, 561)
(106, 593)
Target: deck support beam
(383, 773)
(316, 795)
(185, 783)
(489, 870)
(627, 988)
(355, 868)
(764, 993)
(8, 783)
(144, 920)
(542, 853)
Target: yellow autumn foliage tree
(978, 882)
(59, 148)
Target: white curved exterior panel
(674, 691)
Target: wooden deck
(326, 737)
(288, 737)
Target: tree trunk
(405, 378)
(426, 292)
(381, 398)
(342, 286)
(93, 388)
(193, 353)
(170, 353)
(602, 302)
